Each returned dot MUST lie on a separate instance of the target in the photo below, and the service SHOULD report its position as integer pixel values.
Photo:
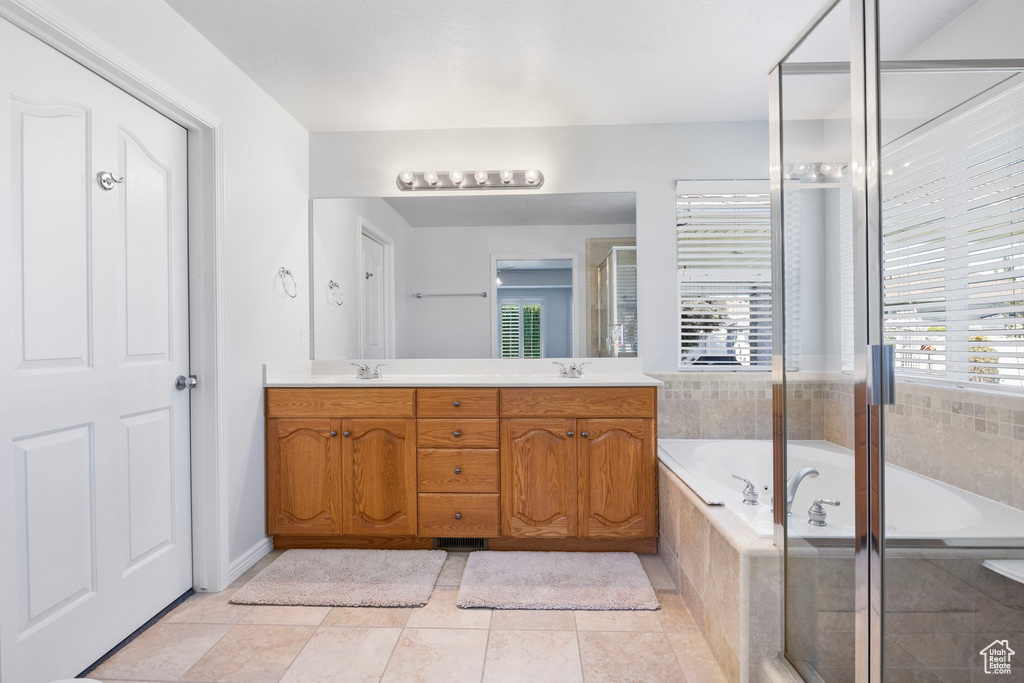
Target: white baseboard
(249, 558)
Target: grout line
(391, 656)
(301, 649)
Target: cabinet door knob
(457, 403)
(334, 433)
(456, 434)
(347, 434)
(570, 433)
(458, 515)
(458, 470)
(584, 434)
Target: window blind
(953, 245)
(723, 239)
(519, 328)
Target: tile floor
(208, 639)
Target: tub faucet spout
(793, 483)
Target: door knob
(334, 433)
(457, 403)
(584, 434)
(346, 434)
(458, 515)
(182, 382)
(456, 434)
(570, 433)
(458, 470)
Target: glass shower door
(813, 284)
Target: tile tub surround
(970, 439)
(727, 576)
(942, 607)
(735, 405)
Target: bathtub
(917, 507)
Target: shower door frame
(874, 372)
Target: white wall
(646, 159)
(336, 256)
(446, 260)
(266, 186)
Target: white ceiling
(468, 210)
(426, 64)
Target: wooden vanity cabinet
(304, 492)
(543, 468)
(538, 477)
(379, 476)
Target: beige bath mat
(552, 580)
(345, 578)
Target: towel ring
(336, 294)
(284, 273)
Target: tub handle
(749, 491)
(816, 515)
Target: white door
(95, 532)
(372, 313)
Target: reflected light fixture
(457, 179)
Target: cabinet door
(379, 458)
(617, 478)
(304, 476)
(538, 478)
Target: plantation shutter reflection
(723, 237)
(953, 247)
(520, 333)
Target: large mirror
(478, 276)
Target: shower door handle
(883, 375)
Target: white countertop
(473, 372)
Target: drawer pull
(456, 434)
(334, 433)
(584, 434)
(347, 434)
(570, 433)
(458, 470)
(458, 515)
(457, 403)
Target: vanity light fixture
(505, 179)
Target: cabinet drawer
(473, 515)
(361, 402)
(457, 433)
(457, 402)
(581, 402)
(458, 470)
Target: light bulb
(532, 176)
(827, 169)
(407, 177)
(506, 176)
(456, 177)
(430, 177)
(481, 177)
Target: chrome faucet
(749, 491)
(363, 371)
(793, 483)
(574, 371)
(816, 515)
